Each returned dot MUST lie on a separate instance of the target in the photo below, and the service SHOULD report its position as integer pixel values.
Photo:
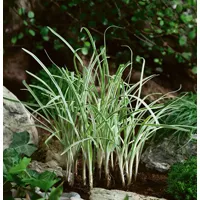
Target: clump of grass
(98, 123)
(184, 112)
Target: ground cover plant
(182, 180)
(99, 117)
(18, 177)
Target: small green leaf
(158, 31)
(63, 7)
(40, 47)
(21, 143)
(147, 30)
(91, 3)
(126, 197)
(31, 14)
(186, 18)
(169, 12)
(170, 50)
(10, 158)
(32, 173)
(127, 1)
(14, 40)
(187, 55)
(32, 21)
(86, 44)
(192, 34)
(138, 59)
(45, 38)
(20, 36)
(56, 192)
(44, 180)
(156, 60)
(31, 32)
(142, 3)
(58, 45)
(44, 31)
(183, 40)
(71, 4)
(161, 23)
(151, 36)
(21, 11)
(21, 166)
(134, 19)
(194, 70)
(180, 58)
(25, 23)
(179, 8)
(172, 24)
(84, 51)
(159, 13)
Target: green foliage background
(158, 30)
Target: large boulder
(162, 155)
(16, 118)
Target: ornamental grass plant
(99, 117)
(184, 112)
(45, 77)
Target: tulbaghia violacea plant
(108, 126)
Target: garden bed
(102, 125)
(148, 183)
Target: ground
(149, 182)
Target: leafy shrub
(89, 121)
(182, 180)
(17, 175)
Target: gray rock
(168, 152)
(16, 118)
(64, 196)
(54, 154)
(71, 195)
(103, 194)
(51, 166)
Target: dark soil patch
(148, 183)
